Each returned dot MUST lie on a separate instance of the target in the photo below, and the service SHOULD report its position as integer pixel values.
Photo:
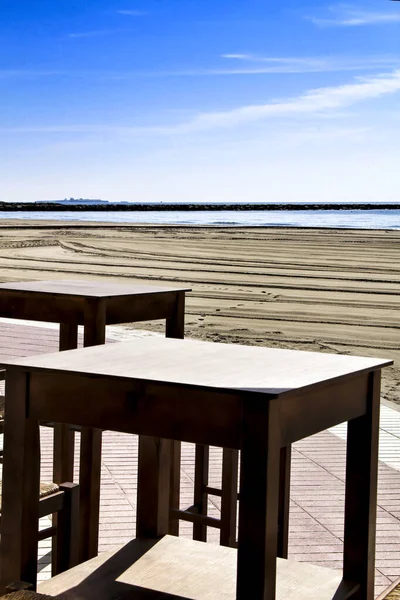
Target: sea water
(356, 219)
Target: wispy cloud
(69, 129)
(248, 64)
(347, 16)
(290, 64)
(252, 64)
(133, 13)
(299, 136)
(314, 102)
(27, 73)
(95, 33)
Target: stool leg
(65, 541)
(230, 467)
(63, 453)
(200, 493)
(175, 486)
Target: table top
(90, 289)
(226, 367)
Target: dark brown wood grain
(361, 494)
(154, 409)
(175, 486)
(64, 437)
(284, 501)
(65, 549)
(153, 495)
(175, 328)
(89, 478)
(175, 319)
(202, 455)
(21, 507)
(259, 501)
(64, 301)
(95, 319)
(20, 491)
(229, 490)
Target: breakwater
(150, 207)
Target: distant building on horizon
(75, 201)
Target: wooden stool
(27, 595)
(227, 524)
(62, 501)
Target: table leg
(90, 452)
(153, 495)
(68, 336)
(21, 471)
(89, 497)
(64, 437)
(259, 499)
(361, 495)
(175, 328)
(175, 323)
(284, 500)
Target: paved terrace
(317, 491)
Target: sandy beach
(309, 289)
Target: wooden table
(254, 399)
(93, 304)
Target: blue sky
(182, 100)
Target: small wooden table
(254, 399)
(93, 304)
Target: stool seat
(27, 595)
(46, 489)
(392, 592)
